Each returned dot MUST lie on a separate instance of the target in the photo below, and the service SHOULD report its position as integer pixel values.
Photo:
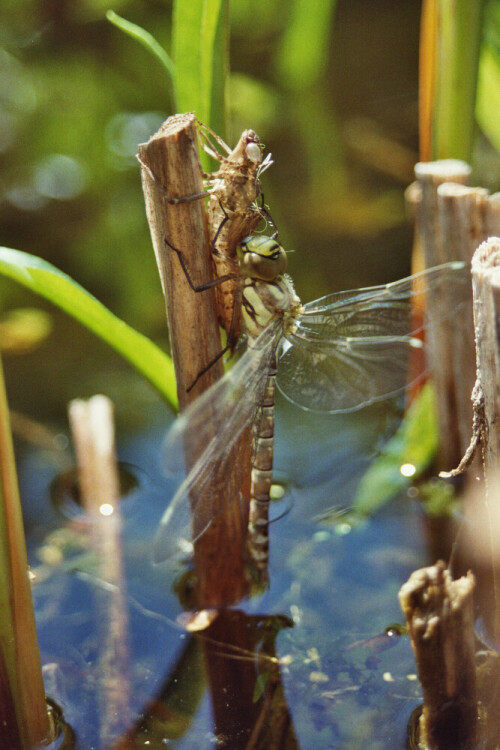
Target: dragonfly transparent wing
(352, 348)
(213, 427)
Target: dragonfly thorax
(265, 301)
(268, 292)
(262, 258)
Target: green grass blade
(186, 51)
(215, 62)
(54, 285)
(146, 39)
(200, 51)
(488, 94)
(457, 60)
(415, 442)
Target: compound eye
(262, 258)
(254, 152)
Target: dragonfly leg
(198, 287)
(204, 134)
(266, 214)
(212, 362)
(229, 347)
(201, 288)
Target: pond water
(309, 663)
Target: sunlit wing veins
(352, 348)
(209, 431)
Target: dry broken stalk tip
(440, 617)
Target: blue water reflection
(337, 586)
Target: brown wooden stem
(171, 168)
(452, 220)
(172, 157)
(486, 288)
(21, 679)
(439, 346)
(462, 212)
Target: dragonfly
(233, 209)
(336, 354)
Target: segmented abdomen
(262, 473)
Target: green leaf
(54, 285)
(145, 38)
(200, 51)
(415, 443)
(215, 62)
(186, 51)
(438, 498)
(488, 94)
(459, 30)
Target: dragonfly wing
(347, 375)
(212, 434)
(352, 348)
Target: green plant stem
(488, 94)
(200, 48)
(458, 42)
(18, 638)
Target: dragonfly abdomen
(261, 478)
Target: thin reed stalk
(22, 682)
(93, 435)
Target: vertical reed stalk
(486, 287)
(173, 169)
(449, 59)
(19, 656)
(440, 347)
(452, 220)
(93, 435)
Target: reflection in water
(302, 683)
(236, 658)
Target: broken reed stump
(92, 426)
(170, 168)
(174, 171)
(451, 221)
(440, 617)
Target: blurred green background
(336, 106)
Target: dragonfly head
(262, 258)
